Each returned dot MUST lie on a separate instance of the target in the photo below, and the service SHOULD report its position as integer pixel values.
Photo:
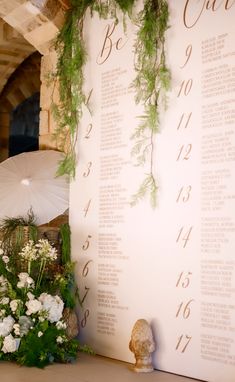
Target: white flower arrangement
(32, 330)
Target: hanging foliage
(151, 83)
(152, 78)
(71, 59)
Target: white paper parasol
(28, 181)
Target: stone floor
(86, 369)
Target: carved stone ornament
(142, 345)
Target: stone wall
(38, 21)
(48, 95)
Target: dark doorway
(24, 126)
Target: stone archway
(37, 22)
(23, 84)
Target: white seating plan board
(173, 265)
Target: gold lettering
(109, 44)
(213, 5)
(228, 5)
(204, 5)
(120, 44)
(185, 16)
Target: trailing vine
(71, 53)
(151, 81)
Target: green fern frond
(148, 186)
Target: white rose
(16, 328)
(20, 284)
(25, 280)
(29, 280)
(14, 305)
(23, 276)
(30, 296)
(40, 334)
(4, 301)
(33, 306)
(53, 305)
(43, 297)
(6, 326)
(5, 259)
(10, 344)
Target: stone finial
(142, 345)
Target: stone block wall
(48, 95)
(38, 21)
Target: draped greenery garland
(151, 82)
